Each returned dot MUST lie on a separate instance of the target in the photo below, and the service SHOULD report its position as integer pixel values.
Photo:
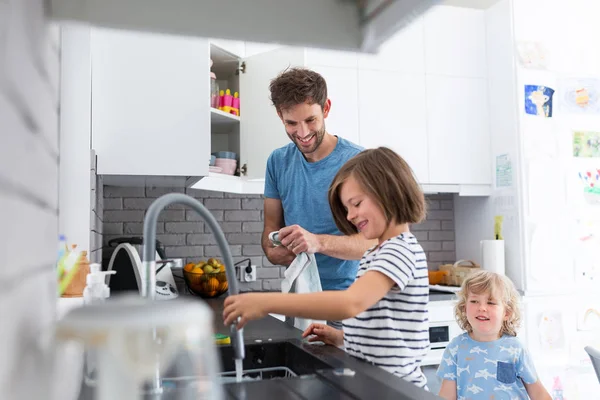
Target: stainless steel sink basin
(263, 361)
(272, 360)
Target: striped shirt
(393, 334)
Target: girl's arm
(448, 390)
(329, 305)
(537, 391)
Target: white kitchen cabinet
(234, 47)
(403, 52)
(424, 95)
(331, 58)
(392, 113)
(260, 128)
(455, 41)
(458, 130)
(150, 107)
(342, 89)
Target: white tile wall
(29, 66)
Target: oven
(442, 329)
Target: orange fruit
(189, 267)
(198, 270)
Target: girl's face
(485, 313)
(363, 212)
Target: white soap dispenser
(96, 289)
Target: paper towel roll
(492, 256)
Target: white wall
(29, 153)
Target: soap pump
(96, 289)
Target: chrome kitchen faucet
(149, 262)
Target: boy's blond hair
(494, 284)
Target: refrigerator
(544, 102)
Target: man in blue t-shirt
(297, 180)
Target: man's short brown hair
(388, 180)
(296, 86)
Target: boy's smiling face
(485, 312)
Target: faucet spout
(148, 256)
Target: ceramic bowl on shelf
(225, 154)
(228, 165)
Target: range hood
(353, 25)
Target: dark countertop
(264, 329)
(435, 295)
(369, 382)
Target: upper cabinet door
(150, 103)
(455, 42)
(261, 129)
(399, 122)
(342, 90)
(458, 126)
(402, 52)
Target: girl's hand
(324, 333)
(246, 307)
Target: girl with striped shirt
(384, 311)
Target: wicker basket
(459, 271)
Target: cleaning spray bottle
(96, 289)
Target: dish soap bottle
(96, 289)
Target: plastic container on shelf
(214, 91)
(235, 105)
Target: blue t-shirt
(483, 369)
(302, 188)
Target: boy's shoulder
(460, 340)
(508, 341)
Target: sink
(263, 361)
(271, 360)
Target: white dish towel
(302, 276)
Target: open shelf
(218, 117)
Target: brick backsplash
(436, 233)
(184, 234)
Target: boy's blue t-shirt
(302, 187)
(485, 369)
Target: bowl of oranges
(206, 279)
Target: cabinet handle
(241, 68)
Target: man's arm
(273, 215)
(351, 247)
(298, 240)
